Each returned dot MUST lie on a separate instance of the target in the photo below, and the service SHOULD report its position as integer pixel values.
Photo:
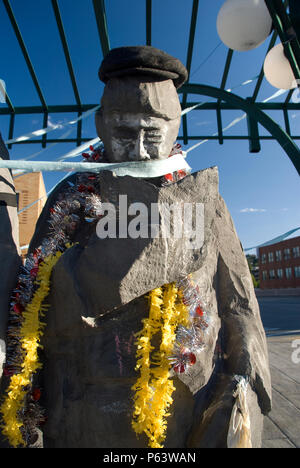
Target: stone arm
(9, 246)
(243, 346)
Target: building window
(264, 258)
(297, 272)
(264, 275)
(272, 274)
(278, 255)
(288, 273)
(287, 254)
(271, 257)
(296, 252)
(279, 273)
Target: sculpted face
(138, 120)
(138, 137)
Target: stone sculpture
(97, 299)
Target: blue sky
(262, 190)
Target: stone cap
(142, 61)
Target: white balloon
(244, 24)
(278, 70)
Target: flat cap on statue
(142, 60)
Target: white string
(74, 153)
(18, 172)
(94, 141)
(43, 131)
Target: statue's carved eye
(125, 134)
(153, 136)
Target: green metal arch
(286, 142)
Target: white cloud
(253, 210)
(205, 122)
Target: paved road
(280, 314)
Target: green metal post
(223, 84)
(99, 8)
(79, 130)
(288, 145)
(283, 26)
(11, 129)
(254, 143)
(295, 16)
(66, 50)
(148, 22)
(45, 124)
(24, 52)
(193, 24)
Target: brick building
(30, 188)
(279, 265)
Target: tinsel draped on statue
(176, 311)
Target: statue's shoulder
(42, 229)
(207, 176)
(202, 185)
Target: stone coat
(97, 302)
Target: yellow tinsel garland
(154, 388)
(30, 335)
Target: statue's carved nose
(139, 152)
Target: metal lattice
(285, 17)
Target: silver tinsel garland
(81, 203)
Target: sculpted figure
(201, 352)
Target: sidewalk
(282, 425)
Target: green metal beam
(288, 29)
(45, 124)
(11, 129)
(267, 106)
(288, 145)
(66, 49)
(294, 6)
(253, 131)
(283, 26)
(262, 73)
(73, 108)
(148, 22)
(24, 51)
(288, 98)
(223, 84)
(180, 138)
(79, 130)
(6, 97)
(232, 137)
(193, 24)
(99, 8)
(287, 122)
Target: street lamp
(244, 24)
(278, 70)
